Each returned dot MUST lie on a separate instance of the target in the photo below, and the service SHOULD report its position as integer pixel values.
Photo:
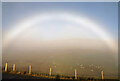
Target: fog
(63, 56)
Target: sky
(104, 13)
(52, 29)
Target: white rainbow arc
(25, 24)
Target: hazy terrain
(63, 56)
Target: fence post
(29, 69)
(50, 71)
(75, 74)
(102, 75)
(13, 67)
(6, 67)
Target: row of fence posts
(50, 73)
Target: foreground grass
(37, 77)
